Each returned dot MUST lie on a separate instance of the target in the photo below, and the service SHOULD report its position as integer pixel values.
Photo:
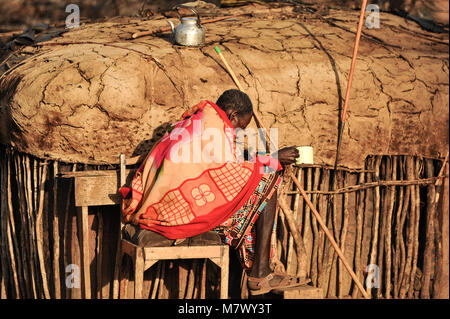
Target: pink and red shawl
(181, 197)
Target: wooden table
(92, 188)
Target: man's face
(239, 121)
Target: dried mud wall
(105, 94)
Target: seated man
(194, 180)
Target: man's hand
(287, 155)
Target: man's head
(237, 106)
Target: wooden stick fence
(38, 237)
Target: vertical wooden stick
(30, 219)
(56, 249)
(429, 242)
(39, 231)
(5, 263)
(307, 231)
(333, 263)
(162, 287)
(67, 231)
(384, 171)
(416, 231)
(389, 230)
(156, 281)
(14, 235)
(300, 248)
(399, 247)
(410, 230)
(376, 217)
(23, 229)
(99, 253)
(342, 241)
(323, 208)
(359, 232)
(314, 269)
(203, 281)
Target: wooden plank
(89, 173)
(92, 173)
(164, 253)
(96, 191)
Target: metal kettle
(189, 32)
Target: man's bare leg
(263, 229)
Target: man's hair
(235, 100)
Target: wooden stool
(145, 257)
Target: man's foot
(278, 281)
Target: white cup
(306, 155)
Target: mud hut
(77, 101)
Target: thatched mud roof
(107, 94)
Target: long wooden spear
(350, 79)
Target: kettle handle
(190, 8)
(171, 26)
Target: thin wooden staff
(350, 77)
(330, 237)
(258, 120)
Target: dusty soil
(107, 94)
